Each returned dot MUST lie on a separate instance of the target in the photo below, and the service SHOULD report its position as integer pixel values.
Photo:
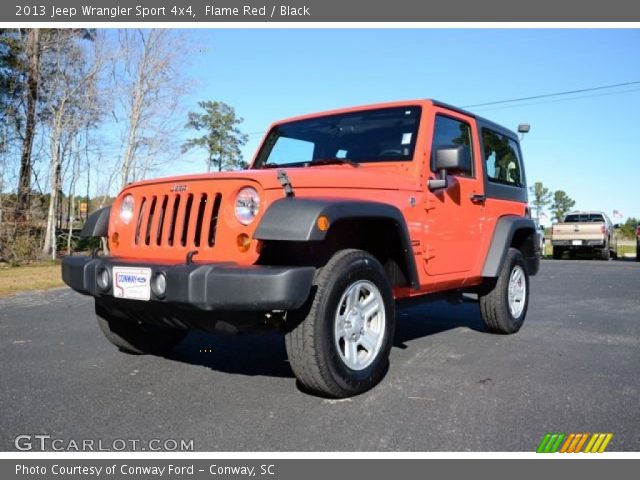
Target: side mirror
(453, 158)
(541, 227)
(616, 225)
(450, 158)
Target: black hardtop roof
(481, 120)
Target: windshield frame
(268, 142)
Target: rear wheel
(605, 253)
(504, 302)
(341, 347)
(137, 338)
(637, 250)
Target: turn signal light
(115, 239)
(244, 242)
(323, 223)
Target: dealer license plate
(576, 242)
(132, 283)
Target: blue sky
(588, 146)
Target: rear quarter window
(502, 159)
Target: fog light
(103, 279)
(159, 285)
(243, 242)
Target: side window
(448, 132)
(291, 150)
(501, 158)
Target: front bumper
(208, 286)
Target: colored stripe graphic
(556, 444)
(592, 440)
(573, 442)
(581, 443)
(567, 442)
(550, 443)
(607, 439)
(598, 443)
(543, 444)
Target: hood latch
(283, 178)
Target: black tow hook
(190, 256)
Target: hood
(327, 176)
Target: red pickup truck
(340, 215)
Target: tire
(557, 253)
(335, 353)
(137, 338)
(637, 251)
(605, 253)
(501, 312)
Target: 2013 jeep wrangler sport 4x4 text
(340, 215)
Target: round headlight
(247, 205)
(126, 209)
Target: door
(453, 216)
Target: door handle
(476, 198)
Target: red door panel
(453, 218)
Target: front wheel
(341, 347)
(504, 301)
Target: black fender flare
(506, 229)
(296, 219)
(97, 224)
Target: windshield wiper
(333, 161)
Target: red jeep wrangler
(341, 214)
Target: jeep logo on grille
(177, 187)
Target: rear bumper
(203, 286)
(583, 243)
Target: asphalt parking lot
(574, 367)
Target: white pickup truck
(584, 232)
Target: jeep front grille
(178, 220)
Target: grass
(39, 276)
(624, 249)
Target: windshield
(381, 135)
